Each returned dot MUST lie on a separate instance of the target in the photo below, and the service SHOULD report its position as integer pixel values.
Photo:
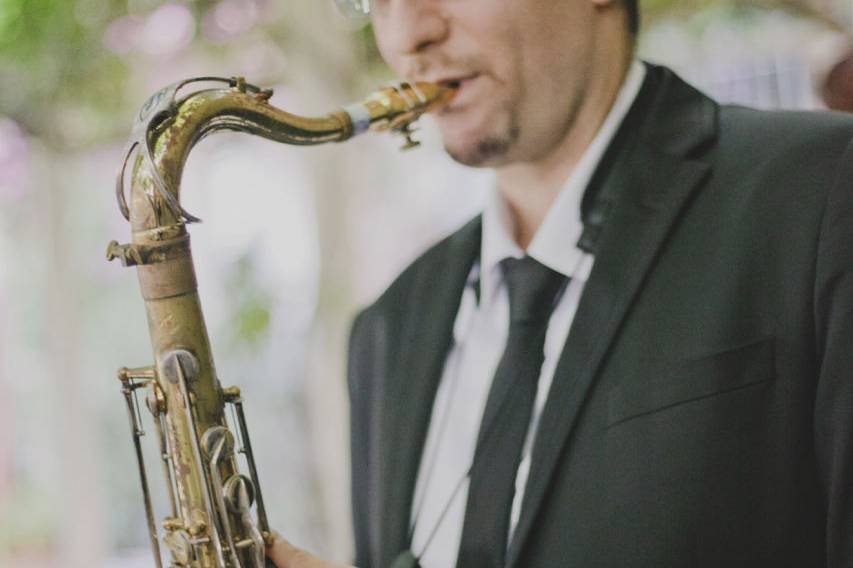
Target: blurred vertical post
(82, 534)
(325, 66)
(5, 417)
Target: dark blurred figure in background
(838, 88)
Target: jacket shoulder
(768, 132)
(783, 157)
(399, 291)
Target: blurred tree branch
(826, 12)
(830, 13)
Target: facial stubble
(491, 149)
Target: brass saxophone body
(216, 514)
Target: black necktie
(533, 288)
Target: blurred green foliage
(64, 84)
(53, 60)
(51, 56)
(251, 305)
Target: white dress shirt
(479, 336)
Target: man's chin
(486, 152)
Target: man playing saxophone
(640, 353)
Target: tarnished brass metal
(210, 524)
(231, 394)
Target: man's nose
(416, 25)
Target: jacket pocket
(693, 380)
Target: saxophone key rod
(126, 376)
(232, 395)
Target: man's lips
(460, 84)
(457, 82)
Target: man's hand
(285, 555)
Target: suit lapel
(654, 180)
(411, 385)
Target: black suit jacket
(702, 410)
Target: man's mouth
(458, 84)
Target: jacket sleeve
(833, 417)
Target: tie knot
(532, 289)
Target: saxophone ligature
(216, 516)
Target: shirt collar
(562, 225)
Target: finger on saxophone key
(285, 555)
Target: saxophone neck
(167, 128)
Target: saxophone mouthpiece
(397, 107)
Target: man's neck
(530, 188)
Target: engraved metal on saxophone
(210, 522)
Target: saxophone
(211, 523)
